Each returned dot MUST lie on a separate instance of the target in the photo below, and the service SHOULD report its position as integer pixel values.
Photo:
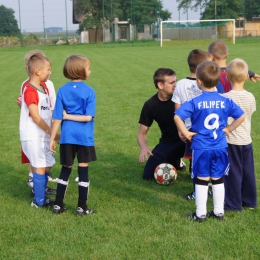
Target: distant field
(135, 219)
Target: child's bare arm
(255, 78)
(76, 118)
(228, 129)
(19, 102)
(33, 109)
(182, 128)
(54, 129)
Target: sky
(33, 20)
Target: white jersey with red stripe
(50, 87)
(29, 130)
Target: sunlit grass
(135, 219)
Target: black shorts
(85, 154)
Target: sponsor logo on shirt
(45, 108)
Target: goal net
(190, 30)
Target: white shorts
(38, 153)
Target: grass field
(135, 219)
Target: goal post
(197, 30)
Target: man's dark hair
(159, 75)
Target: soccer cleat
(87, 211)
(219, 216)
(48, 192)
(194, 217)
(30, 182)
(182, 166)
(47, 202)
(190, 196)
(51, 179)
(57, 209)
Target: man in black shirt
(160, 108)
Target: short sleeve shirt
(76, 98)
(162, 112)
(209, 113)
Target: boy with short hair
(219, 52)
(240, 184)
(186, 89)
(52, 95)
(209, 112)
(35, 122)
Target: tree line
(222, 9)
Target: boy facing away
(209, 113)
(77, 131)
(219, 52)
(186, 89)
(240, 184)
(35, 122)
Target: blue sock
(46, 179)
(39, 188)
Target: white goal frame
(198, 21)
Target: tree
(221, 9)
(213, 9)
(8, 23)
(97, 13)
(251, 9)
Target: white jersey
(185, 89)
(51, 90)
(29, 130)
(52, 93)
(242, 134)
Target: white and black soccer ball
(165, 174)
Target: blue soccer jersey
(209, 113)
(76, 98)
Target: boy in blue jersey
(186, 89)
(209, 113)
(77, 131)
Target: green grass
(135, 219)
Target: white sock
(201, 199)
(30, 174)
(218, 198)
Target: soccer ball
(165, 174)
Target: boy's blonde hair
(35, 62)
(237, 70)
(195, 57)
(29, 54)
(75, 67)
(209, 73)
(218, 49)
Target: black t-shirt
(162, 112)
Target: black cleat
(194, 217)
(219, 216)
(87, 211)
(190, 196)
(47, 202)
(57, 209)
